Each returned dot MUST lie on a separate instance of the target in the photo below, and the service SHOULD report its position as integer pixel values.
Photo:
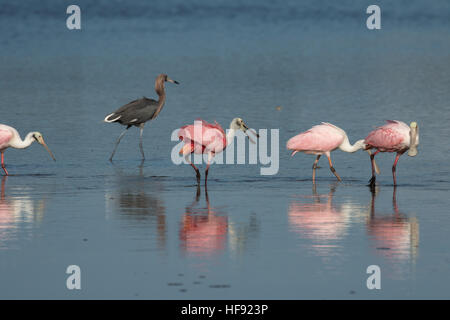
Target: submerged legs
(314, 167)
(140, 141)
(331, 167)
(3, 163)
(372, 161)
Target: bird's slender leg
(207, 168)
(193, 166)
(372, 161)
(3, 163)
(332, 168)
(117, 143)
(314, 169)
(140, 141)
(394, 167)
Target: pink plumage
(203, 137)
(392, 137)
(317, 140)
(5, 137)
(322, 139)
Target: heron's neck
(159, 88)
(347, 147)
(18, 143)
(230, 135)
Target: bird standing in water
(394, 136)
(206, 138)
(322, 139)
(9, 137)
(138, 112)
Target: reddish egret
(322, 139)
(394, 136)
(206, 138)
(138, 112)
(9, 137)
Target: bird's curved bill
(246, 130)
(172, 81)
(42, 142)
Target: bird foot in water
(372, 182)
(198, 177)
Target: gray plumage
(138, 112)
(135, 113)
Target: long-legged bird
(9, 137)
(394, 136)
(138, 112)
(206, 138)
(322, 139)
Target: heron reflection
(138, 202)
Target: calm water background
(141, 231)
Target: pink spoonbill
(394, 136)
(9, 137)
(323, 139)
(206, 138)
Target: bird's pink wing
(205, 135)
(321, 138)
(5, 136)
(386, 137)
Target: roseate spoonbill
(322, 139)
(394, 136)
(203, 137)
(138, 112)
(9, 137)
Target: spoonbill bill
(138, 112)
(323, 139)
(9, 137)
(394, 136)
(206, 138)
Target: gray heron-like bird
(138, 112)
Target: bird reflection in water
(321, 221)
(203, 230)
(138, 201)
(15, 211)
(394, 235)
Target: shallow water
(144, 230)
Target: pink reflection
(394, 235)
(203, 231)
(319, 220)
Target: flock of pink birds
(206, 138)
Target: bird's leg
(193, 166)
(394, 166)
(140, 141)
(207, 168)
(314, 169)
(3, 164)
(117, 143)
(372, 161)
(332, 169)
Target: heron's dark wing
(135, 112)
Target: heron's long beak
(172, 81)
(245, 129)
(42, 142)
(413, 134)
